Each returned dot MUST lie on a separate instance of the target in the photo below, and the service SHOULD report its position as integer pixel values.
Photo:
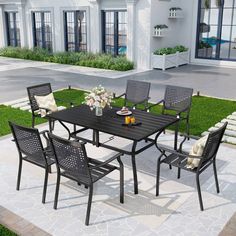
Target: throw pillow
(47, 102)
(196, 150)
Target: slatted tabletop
(111, 123)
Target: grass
(6, 232)
(205, 111)
(88, 59)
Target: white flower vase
(98, 111)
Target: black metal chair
(179, 158)
(30, 148)
(177, 99)
(42, 90)
(137, 92)
(72, 162)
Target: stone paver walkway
(19, 225)
(230, 132)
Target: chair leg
(199, 192)
(89, 204)
(121, 180)
(170, 166)
(33, 121)
(45, 185)
(179, 171)
(57, 190)
(216, 178)
(158, 175)
(19, 175)
(187, 126)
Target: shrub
(99, 60)
(168, 51)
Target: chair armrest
(47, 110)
(178, 153)
(107, 161)
(183, 110)
(123, 94)
(153, 105)
(45, 134)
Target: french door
(114, 32)
(216, 31)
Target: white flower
(98, 97)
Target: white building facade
(123, 27)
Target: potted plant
(165, 58)
(175, 12)
(98, 99)
(160, 30)
(205, 50)
(207, 3)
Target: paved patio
(175, 212)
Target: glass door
(216, 37)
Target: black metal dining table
(147, 124)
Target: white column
(22, 25)
(131, 19)
(3, 38)
(94, 27)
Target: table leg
(96, 133)
(134, 168)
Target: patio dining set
(45, 149)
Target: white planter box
(157, 32)
(205, 52)
(176, 14)
(168, 61)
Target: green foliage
(168, 51)
(103, 61)
(6, 232)
(205, 111)
(160, 27)
(203, 44)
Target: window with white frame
(114, 25)
(13, 29)
(75, 31)
(42, 29)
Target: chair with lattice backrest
(179, 100)
(137, 92)
(43, 90)
(180, 159)
(72, 162)
(31, 149)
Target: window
(114, 32)
(42, 30)
(13, 29)
(216, 34)
(75, 31)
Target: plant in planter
(204, 49)
(165, 58)
(175, 12)
(160, 30)
(207, 3)
(204, 28)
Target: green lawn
(6, 232)
(205, 111)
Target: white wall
(143, 34)
(179, 31)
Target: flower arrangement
(98, 97)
